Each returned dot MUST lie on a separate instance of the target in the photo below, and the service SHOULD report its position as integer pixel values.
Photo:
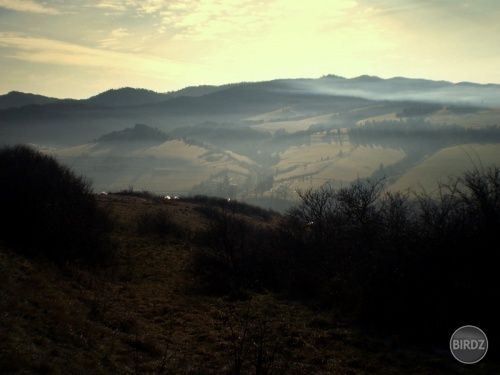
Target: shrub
(403, 263)
(48, 210)
(237, 253)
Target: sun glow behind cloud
(165, 45)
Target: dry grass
(321, 162)
(142, 315)
(450, 161)
(293, 125)
(172, 167)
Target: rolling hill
(270, 138)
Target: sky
(79, 48)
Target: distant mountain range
(19, 99)
(263, 140)
(125, 96)
(28, 117)
(365, 86)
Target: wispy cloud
(205, 20)
(116, 5)
(115, 39)
(150, 6)
(27, 6)
(47, 51)
(139, 7)
(434, 12)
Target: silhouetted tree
(403, 260)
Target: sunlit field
(451, 161)
(293, 125)
(172, 167)
(313, 165)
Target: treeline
(219, 134)
(401, 133)
(424, 109)
(407, 262)
(140, 132)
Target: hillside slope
(148, 313)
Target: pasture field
(292, 126)
(172, 167)
(311, 153)
(450, 161)
(285, 112)
(175, 167)
(311, 166)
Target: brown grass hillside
(146, 312)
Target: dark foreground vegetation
(47, 209)
(411, 262)
(354, 280)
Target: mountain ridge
(126, 96)
(73, 121)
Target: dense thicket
(417, 263)
(47, 209)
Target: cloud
(236, 19)
(120, 32)
(48, 51)
(209, 20)
(433, 13)
(115, 39)
(139, 7)
(116, 5)
(444, 27)
(27, 6)
(150, 6)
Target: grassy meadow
(447, 162)
(313, 165)
(293, 125)
(172, 167)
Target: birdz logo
(468, 344)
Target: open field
(175, 167)
(172, 167)
(312, 165)
(450, 161)
(285, 112)
(293, 125)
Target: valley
(265, 140)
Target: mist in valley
(259, 142)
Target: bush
(238, 254)
(48, 210)
(406, 264)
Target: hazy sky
(79, 48)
